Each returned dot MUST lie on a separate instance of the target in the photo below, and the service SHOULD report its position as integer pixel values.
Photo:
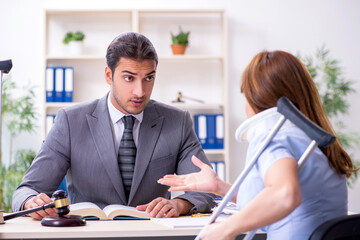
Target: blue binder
(201, 129)
(214, 166)
(221, 172)
(49, 122)
(219, 131)
(59, 84)
(68, 84)
(219, 168)
(211, 131)
(50, 83)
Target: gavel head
(61, 202)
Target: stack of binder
(59, 84)
(209, 129)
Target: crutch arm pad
(288, 109)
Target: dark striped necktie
(127, 154)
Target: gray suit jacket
(81, 145)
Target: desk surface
(27, 228)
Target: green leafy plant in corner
(18, 115)
(12, 175)
(333, 89)
(181, 38)
(73, 36)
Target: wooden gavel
(61, 203)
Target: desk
(28, 228)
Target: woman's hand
(216, 231)
(204, 181)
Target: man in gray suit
(84, 143)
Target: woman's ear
(248, 109)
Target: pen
(201, 215)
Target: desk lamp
(180, 97)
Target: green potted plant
(19, 115)
(334, 89)
(74, 40)
(179, 41)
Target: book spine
(214, 166)
(211, 131)
(59, 84)
(219, 168)
(200, 129)
(219, 131)
(68, 84)
(50, 83)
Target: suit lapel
(148, 135)
(99, 124)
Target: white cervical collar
(259, 123)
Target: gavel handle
(24, 212)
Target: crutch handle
(287, 108)
(5, 66)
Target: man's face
(131, 84)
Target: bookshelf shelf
(197, 106)
(191, 57)
(199, 74)
(60, 104)
(214, 151)
(164, 58)
(183, 106)
(78, 57)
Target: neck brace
(260, 123)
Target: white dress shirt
(118, 124)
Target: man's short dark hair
(130, 45)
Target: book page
(82, 205)
(114, 210)
(87, 209)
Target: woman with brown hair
(275, 197)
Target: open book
(114, 211)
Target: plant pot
(75, 47)
(178, 49)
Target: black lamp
(5, 67)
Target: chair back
(340, 228)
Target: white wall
(294, 26)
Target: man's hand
(161, 207)
(37, 201)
